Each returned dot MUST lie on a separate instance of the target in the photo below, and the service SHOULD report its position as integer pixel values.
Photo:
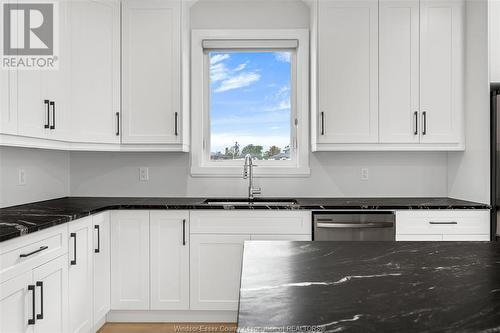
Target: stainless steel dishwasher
(354, 226)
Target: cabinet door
(216, 271)
(80, 276)
(441, 71)
(51, 281)
(151, 71)
(130, 264)
(348, 71)
(281, 237)
(8, 108)
(33, 112)
(95, 79)
(16, 304)
(169, 250)
(102, 262)
(399, 71)
(419, 238)
(494, 34)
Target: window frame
(201, 164)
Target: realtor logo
(29, 35)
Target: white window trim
(201, 166)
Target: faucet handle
(256, 190)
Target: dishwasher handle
(337, 225)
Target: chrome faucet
(248, 174)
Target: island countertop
(370, 287)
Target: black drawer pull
(47, 124)
(24, 255)
(453, 222)
(32, 289)
(415, 130)
(73, 235)
(96, 227)
(40, 284)
(424, 120)
(53, 104)
(176, 125)
(322, 123)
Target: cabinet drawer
(251, 222)
(20, 254)
(443, 222)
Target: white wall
(469, 171)
(47, 175)
(332, 175)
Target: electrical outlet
(22, 177)
(143, 174)
(364, 174)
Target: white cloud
(241, 67)
(283, 56)
(239, 81)
(218, 72)
(218, 58)
(282, 105)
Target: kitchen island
(370, 287)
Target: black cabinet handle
(176, 129)
(32, 289)
(183, 232)
(40, 284)
(415, 130)
(96, 227)
(53, 104)
(322, 123)
(453, 222)
(24, 255)
(47, 124)
(118, 124)
(424, 121)
(73, 235)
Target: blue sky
(250, 99)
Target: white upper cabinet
(494, 35)
(399, 71)
(151, 69)
(347, 71)
(441, 71)
(8, 111)
(389, 75)
(95, 74)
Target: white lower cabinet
(101, 268)
(130, 260)
(217, 242)
(37, 300)
(215, 271)
(443, 225)
(169, 260)
(80, 275)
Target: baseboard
(100, 323)
(171, 316)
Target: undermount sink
(254, 202)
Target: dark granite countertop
(23, 219)
(370, 287)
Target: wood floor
(168, 328)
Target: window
(250, 105)
(249, 96)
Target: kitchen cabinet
(494, 39)
(151, 53)
(8, 114)
(217, 239)
(216, 270)
(442, 71)
(101, 268)
(130, 260)
(399, 65)
(169, 261)
(42, 95)
(51, 286)
(95, 71)
(80, 275)
(390, 75)
(35, 300)
(443, 225)
(347, 71)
